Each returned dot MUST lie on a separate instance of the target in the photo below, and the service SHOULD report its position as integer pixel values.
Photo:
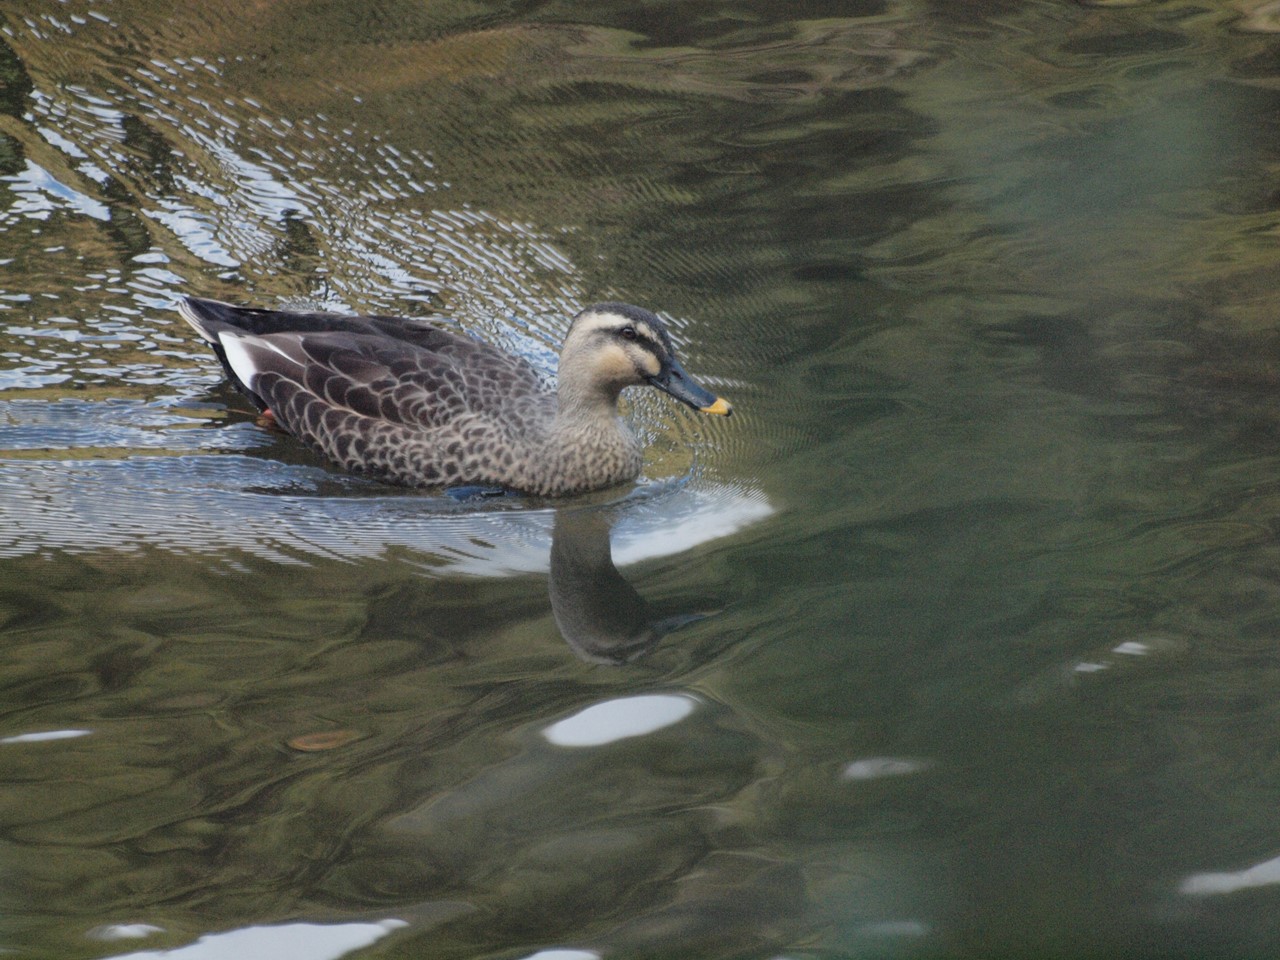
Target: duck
(407, 402)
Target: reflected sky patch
(41, 194)
(876, 768)
(1208, 884)
(620, 719)
(293, 941)
(45, 736)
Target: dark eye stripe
(644, 334)
(645, 340)
(638, 334)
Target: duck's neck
(584, 396)
(589, 436)
(589, 413)
(584, 401)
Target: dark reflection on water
(978, 594)
(598, 612)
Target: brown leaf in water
(323, 740)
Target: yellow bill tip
(721, 407)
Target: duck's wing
(377, 378)
(364, 360)
(211, 318)
(380, 408)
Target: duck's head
(611, 346)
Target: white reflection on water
(124, 931)
(874, 768)
(39, 195)
(292, 941)
(620, 719)
(45, 735)
(1207, 884)
(236, 504)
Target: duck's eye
(628, 333)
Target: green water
(959, 640)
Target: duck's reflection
(600, 615)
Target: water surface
(958, 641)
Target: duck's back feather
(399, 399)
(390, 341)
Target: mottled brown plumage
(410, 403)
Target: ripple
(233, 504)
(39, 195)
(85, 428)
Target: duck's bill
(681, 386)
